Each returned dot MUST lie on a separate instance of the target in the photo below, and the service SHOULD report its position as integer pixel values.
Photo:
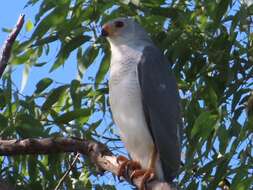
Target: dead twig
(6, 49)
(67, 172)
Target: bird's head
(124, 31)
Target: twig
(97, 152)
(67, 172)
(6, 49)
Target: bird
(144, 101)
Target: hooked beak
(104, 33)
(106, 30)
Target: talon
(122, 161)
(133, 165)
(136, 174)
(127, 166)
(147, 176)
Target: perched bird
(144, 99)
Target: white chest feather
(126, 105)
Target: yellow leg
(152, 160)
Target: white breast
(126, 106)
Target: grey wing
(161, 107)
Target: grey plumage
(161, 107)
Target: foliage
(209, 44)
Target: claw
(136, 174)
(127, 165)
(147, 176)
(133, 165)
(123, 161)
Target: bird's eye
(119, 24)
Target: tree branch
(97, 152)
(6, 49)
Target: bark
(5, 186)
(6, 49)
(97, 152)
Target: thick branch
(6, 49)
(98, 153)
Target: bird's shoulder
(153, 54)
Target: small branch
(97, 152)
(6, 49)
(67, 172)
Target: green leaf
(221, 9)
(46, 40)
(31, 2)
(42, 85)
(23, 58)
(204, 124)
(244, 184)
(28, 126)
(32, 168)
(85, 59)
(25, 76)
(67, 48)
(29, 26)
(7, 30)
(72, 115)
(39, 64)
(3, 100)
(80, 66)
(75, 94)
(3, 122)
(45, 7)
(53, 97)
(223, 139)
(84, 177)
(103, 68)
(211, 97)
(53, 19)
(220, 173)
(234, 22)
